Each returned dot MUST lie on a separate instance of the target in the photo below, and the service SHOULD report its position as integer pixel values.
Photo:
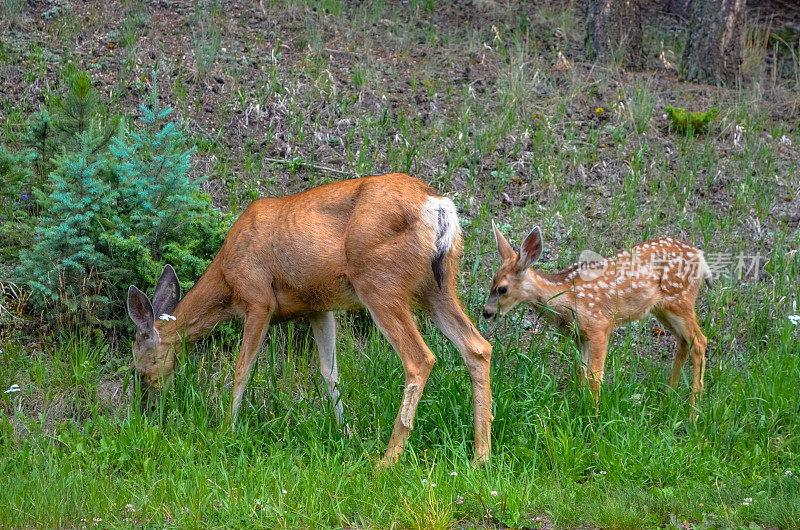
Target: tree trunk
(682, 8)
(614, 31)
(713, 45)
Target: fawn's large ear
(531, 249)
(140, 310)
(503, 247)
(168, 292)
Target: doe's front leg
(324, 327)
(256, 323)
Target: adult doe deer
(591, 299)
(384, 242)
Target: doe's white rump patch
(440, 214)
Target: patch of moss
(688, 122)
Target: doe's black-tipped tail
(446, 229)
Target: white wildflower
(424, 481)
(787, 473)
(283, 492)
(13, 388)
(738, 136)
(459, 499)
(561, 62)
(747, 501)
(493, 493)
(794, 319)
(453, 474)
(165, 316)
(664, 57)
(130, 507)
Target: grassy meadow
(495, 106)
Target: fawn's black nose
(487, 313)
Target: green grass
(640, 462)
(485, 117)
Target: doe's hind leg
(396, 322)
(446, 312)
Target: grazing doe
(591, 299)
(382, 242)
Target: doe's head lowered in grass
(153, 359)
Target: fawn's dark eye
(503, 289)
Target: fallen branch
(12, 291)
(203, 130)
(282, 161)
(306, 164)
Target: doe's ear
(140, 310)
(531, 249)
(168, 292)
(503, 247)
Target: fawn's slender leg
(324, 327)
(256, 323)
(681, 354)
(698, 344)
(675, 325)
(682, 322)
(597, 339)
(396, 322)
(586, 357)
(448, 316)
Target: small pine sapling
(16, 202)
(40, 143)
(153, 169)
(103, 222)
(165, 218)
(63, 269)
(79, 111)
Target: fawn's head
(507, 289)
(153, 359)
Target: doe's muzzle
(148, 396)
